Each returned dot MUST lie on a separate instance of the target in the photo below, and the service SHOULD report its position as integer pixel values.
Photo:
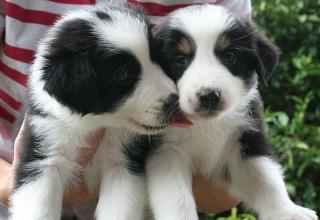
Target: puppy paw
(293, 213)
(181, 216)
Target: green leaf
(302, 145)
(283, 118)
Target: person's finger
(4, 168)
(7, 171)
(4, 193)
(18, 142)
(8, 175)
(79, 194)
(5, 181)
(210, 197)
(88, 151)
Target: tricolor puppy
(92, 70)
(216, 61)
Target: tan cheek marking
(223, 42)
(184, 46)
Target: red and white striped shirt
(23, 23)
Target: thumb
(88, 151)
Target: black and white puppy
(215, 61)
(92, 70)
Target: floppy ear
(67, 71)
(267, 57)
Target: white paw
(293, 213)
(177, 213)
(175, 216)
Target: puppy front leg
(40, 198)
(169, 179)
(258, 181)
(122, 195)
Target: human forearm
(5, 181)
(210, 197)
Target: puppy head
(213, 58)
(98, 63)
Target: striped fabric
(157, 9)
(23, 23)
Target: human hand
(77, 195)
(5, 180)
(8, 170)
(210, 198)
(81, 193)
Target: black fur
(166, 42)
(103, 16)
(253, 52)
(171, 108)
(30, 153)
(32, 109)
(268, 56)
(84, 75)
(240, 45)
(138, 150)
(255, 142)
(87, 75)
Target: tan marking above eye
(184, 46)
(223, 42)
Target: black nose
(171, 106)
(209, 98)
(171, 103)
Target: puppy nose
(171, 106)
(171, 103)
(208, 98)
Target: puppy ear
(156, 44)
(67, 71)
(267, 56)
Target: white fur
(205, 24)
(205, 148)
(40, 199)
(122, 194)
(210, 145)
(170, 184)
(266, 193)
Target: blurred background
(292, 98)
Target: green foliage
(235, 216)
(292, 99)
(293, 96)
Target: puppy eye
(229, 58)
(124, 77)
(182, 60)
